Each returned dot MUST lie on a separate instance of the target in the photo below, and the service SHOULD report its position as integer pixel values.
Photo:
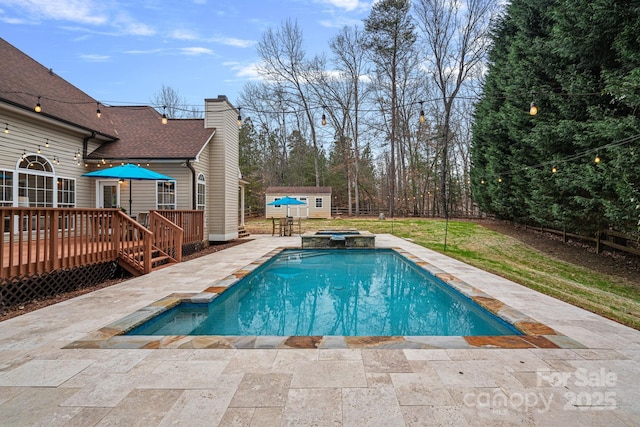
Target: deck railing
(191, 222)
(40, 240)
(167, 235)
(45, 239)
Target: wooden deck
(43, 240)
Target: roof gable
(143, 136)
(23, 80)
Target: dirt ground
(610, 262)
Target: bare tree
(456, 36)
(346, 92)
(389, 38)
(284, 62)
(168, 101)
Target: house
(317, 202)
(51, 133)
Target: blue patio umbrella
(286, 201)
(130, 172)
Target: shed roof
(297, 190)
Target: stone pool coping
(535, 334)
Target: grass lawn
(610, 296)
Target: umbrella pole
(129, 197)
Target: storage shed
(317, 202)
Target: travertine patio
(43, 383)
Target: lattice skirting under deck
(15, 291)
(191, 248)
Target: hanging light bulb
(554, 169)
(38, 108)
(422, 118)
(98, 113)
(24, 154)
(482, 181)
(164, 115)
(46, 144)
(597, 159)
(533, 108)
(499, 179)
(6, 128)
(239, 117)
(39, 151)
(324, 117)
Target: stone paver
(593, 380)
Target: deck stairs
(242, 232)
(133, 260)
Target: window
(35, 183)
(318, 202)
(201, 192)
(66, 193)
(6, 188)
(166, 194)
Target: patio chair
(143, 219)
(283, 227)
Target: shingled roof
(23, 80)
(298, 190)
(143, 136)
(130, 132)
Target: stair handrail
(135, 243)
(167, 236)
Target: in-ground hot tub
(348, 238)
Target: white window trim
(175, 194)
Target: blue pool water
(333, 292)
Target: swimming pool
(355, 292)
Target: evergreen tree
(579, 59)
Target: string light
(98, 113)
(239, 117)
(46, 144)
(324, 117)
(164, 115)
(533, 108)
(39, 151)
(6, 128)
(38, 108)
(597, 159)
(422, 119)
(554, 169)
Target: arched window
(38, 185)
(35, 182)
(201, 192)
